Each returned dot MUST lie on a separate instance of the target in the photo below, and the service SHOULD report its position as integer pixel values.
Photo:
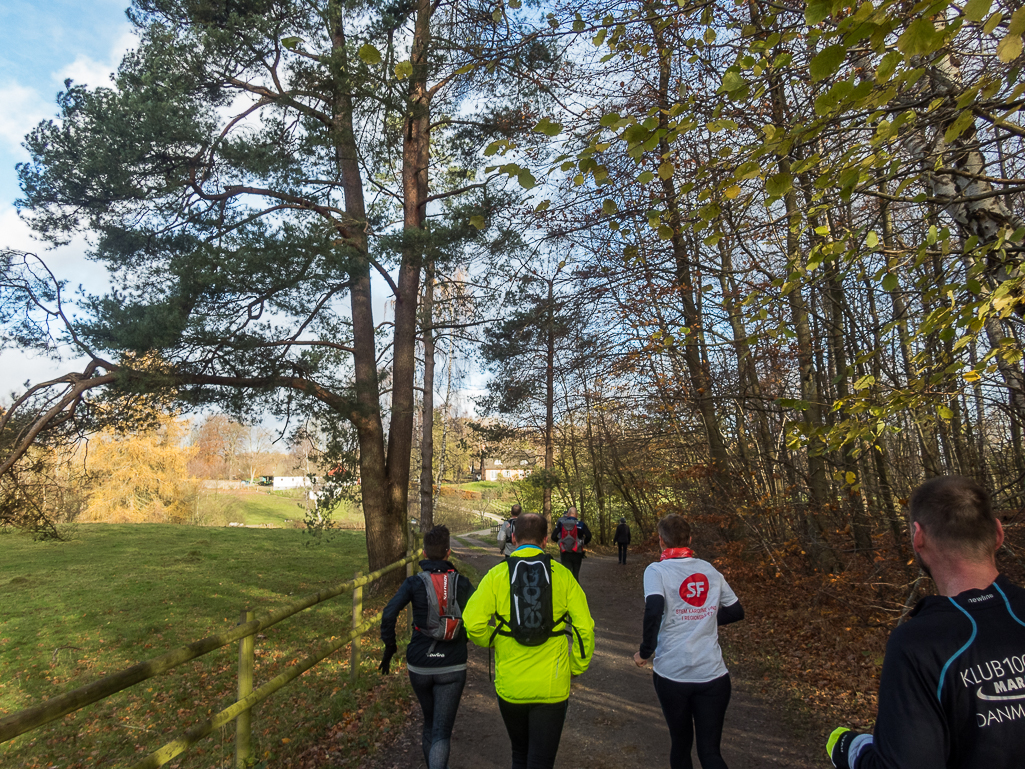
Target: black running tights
(691, 708)
(535, 729)
(439, 699)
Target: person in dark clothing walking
(572, 535)
(437, 667)
(622, 539)
(952, 688)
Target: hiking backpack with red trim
(444, 614)
(570, 539)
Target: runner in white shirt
(685, 600)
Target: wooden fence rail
(57, 707)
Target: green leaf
(526, 179)
(747, 170)
(992, 22)
(890, 281)
(291, 43)
(944, 412)
(666, 170)
(369, 54)
(542, 206)
(609, 207)
(959, 126)
(871, 239)
(665, 232)
(919, 38)
(478, 222)
(887, 66)
(779, 184)
(548, 128)
(976, 10)
(733, 81)
(1009, 48)
(818, 10)
(828, 61)
(403, 69)
(645, 177)
(1017, 25)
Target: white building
(285, 482)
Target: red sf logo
(694, 589)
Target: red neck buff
(676, 552)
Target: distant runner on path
(571, 535)
(952, 690)
(505, 543)
(540, 611)
(685, 600)
(622, 539)
(436, 654)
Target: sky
(41, 44)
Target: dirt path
(614, 721)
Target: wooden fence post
(357, 620)
(243, 722)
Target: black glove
(389, 652)
(839, 745)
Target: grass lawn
(262, 507)
(118, 594)
(482, 486)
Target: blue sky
(41, 44)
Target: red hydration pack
(569, 541)
(444, 614)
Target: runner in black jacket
(952, 692)
(437, 669)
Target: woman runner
(437, 669)
(685, 600)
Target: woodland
(756, 262)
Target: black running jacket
(952, 692)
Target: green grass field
(118, 594)
(262, 507)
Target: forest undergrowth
(813, 643)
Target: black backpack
(531, 614)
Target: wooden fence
(244, 633)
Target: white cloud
(85, 70)
(23, 108)
(66, 262)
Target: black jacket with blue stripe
(952, 692)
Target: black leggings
(688, 707)
(439, 699)
(535, 729)
(622, 553)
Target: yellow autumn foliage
(143, 476)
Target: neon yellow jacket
(532, 673)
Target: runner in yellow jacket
(532, 682)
